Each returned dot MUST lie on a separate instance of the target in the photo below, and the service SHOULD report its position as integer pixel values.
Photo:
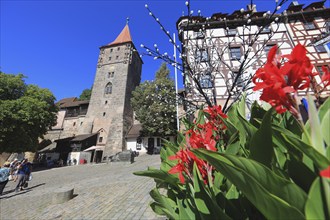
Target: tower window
(117, 57)
(106, 102)
(74, 124)
(111, 50)
(103, 114)
(118, 48)
(100, 139)
(109, 58)
(108, 88)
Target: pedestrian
(20, 177)
(4, 174)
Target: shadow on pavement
(19, 193)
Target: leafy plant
(272, 166)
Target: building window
(118, 48)
(112, 74)
(102, 51)
(231, 31)
(100, 139)
(268, 47)
(320, 48)
(104, 114)
(74, 124)
(235, 53)
(309, 25)
(109, 58)
(205, 82)
(320, 70)
(108, 88)
(106, 102)
(202, 56)
(266, 29)
(199, 34)
(117, 57)
(111, 50)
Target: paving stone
(101, 191)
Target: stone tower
(109, 113)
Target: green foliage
(85, 95)
(265, 168)
(27, 112)
(154, 105)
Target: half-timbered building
(222, 52)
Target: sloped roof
(82, 137)
(123, 37)
(134, 131)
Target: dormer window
(266, 29)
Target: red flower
(325, 173)
(278, 82)
(326, 76)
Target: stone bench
(62, 195)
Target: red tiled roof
(123, 37)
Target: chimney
(252, 7)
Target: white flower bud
(278, 8)
(242, 10)
(146, 5)
(187, 3)
(141, 45)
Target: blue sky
(56, 43)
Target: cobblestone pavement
(101, 191)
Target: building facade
(104, 120)
(222, 52)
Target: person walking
(20, 177)
(4, 174)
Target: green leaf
(257, 112)
(206, 206)
(317, 205)
(316, 132)
(293, 141)
(301, 174)
(163, 204)
(324, 108)
(261, 145)
(275, 197)
(325, 127)
(159, 175)
(185, 210)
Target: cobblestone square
(101, 191)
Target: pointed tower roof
(123, 37)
